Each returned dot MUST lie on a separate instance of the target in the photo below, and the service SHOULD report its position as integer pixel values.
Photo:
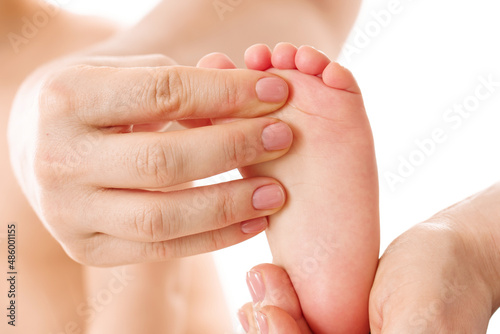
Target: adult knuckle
(168, 90)
(157, 162)
(228, 90)
(236, 149)
(56, 97)
(158, 250)
(57, 160)
(59, 150)
(226, 210)
(150, 222)
(216, 240)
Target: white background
(426, 59)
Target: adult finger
(104, 250)
(156, 216)
(157, 160)
(247, 318)
(213, 60)
(107, 96)
(274, 320)
(267, 320)
(270, 285)
(435, 272)
(151, 60)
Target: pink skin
(327, 236)
(283, 56)
(281, 306)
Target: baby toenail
(273, 90)
(268, 197)
(256, 286)
(277, 136)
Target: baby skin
(327, 236)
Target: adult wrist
(476, 220)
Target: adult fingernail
(277, 136)
(268, 197)
(273, 90)
(243, 321)
(254, 226)
(261, 320)
(256, 286)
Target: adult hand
(441, 276)
(94, 176)
(275, 307)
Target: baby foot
(327, 236)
